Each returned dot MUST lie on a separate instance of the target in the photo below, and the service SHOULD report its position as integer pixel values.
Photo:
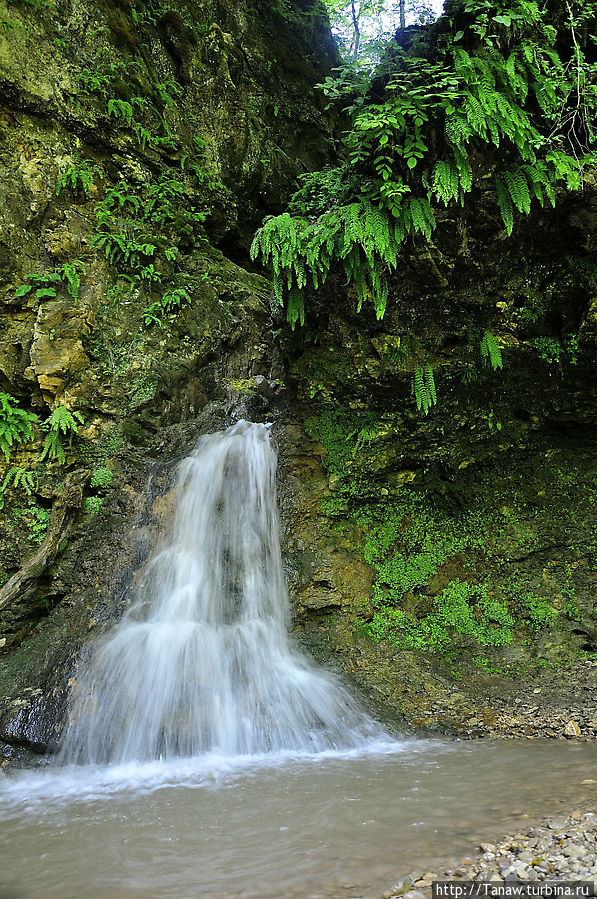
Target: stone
(574, 851)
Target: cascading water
(202, 661)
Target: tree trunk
(63, 511)
(357, 33)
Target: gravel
(563, 847)
(556, 704)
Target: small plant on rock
(16, 425)
(62, 422)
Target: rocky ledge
(555, 703)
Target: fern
(490, 350)
(80, 175)
(121, 109)
(296, 307)
(20, 477)
(518, 189)
(423, 387)
(505, 204)
(60, 423)
(16, 424)
(69, 272)
(446, 181)
(441, 111)
(48, 284)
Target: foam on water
(52, 788)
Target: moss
(246, 386)
(451, 570)
(101, 477)
(92, 505)
(461, 608)
(341, 433)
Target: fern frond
(490, 350)
(423, 387)
(295, 310)
(518, 189)
(16, 424)
(505, 204)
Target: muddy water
(275, 827)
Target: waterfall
(202, 662)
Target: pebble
(559, 704)
(561, 847)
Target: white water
(202, 662)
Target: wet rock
(516, 859)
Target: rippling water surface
(274, 826)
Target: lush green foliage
(495, 88)
(408, 541)
(62, 422)
(79, 176)
(92, 505)
(34, 517)
(16, 478)
(144, 227)
(141, 229)
(135, 226)
(460, 608)
(169, 304)
(490, 350)
(440, 584)
(16, 424)
(46, 286)
(101, 477)
(424, 387)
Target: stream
(204, 755)
(319, 826)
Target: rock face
(446, 559)
(437, 560)
(140, 146)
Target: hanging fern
(62, 422)
(490, 350)
(423, 387)
(495, 81)
(296, 307)
(20, 477)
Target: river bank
(562, 847)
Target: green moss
(245, 386)
(531, 608)
(440, 585)
(33, 516)
(460, 608)
(101, 477)
(408, 541)
(92, 505)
